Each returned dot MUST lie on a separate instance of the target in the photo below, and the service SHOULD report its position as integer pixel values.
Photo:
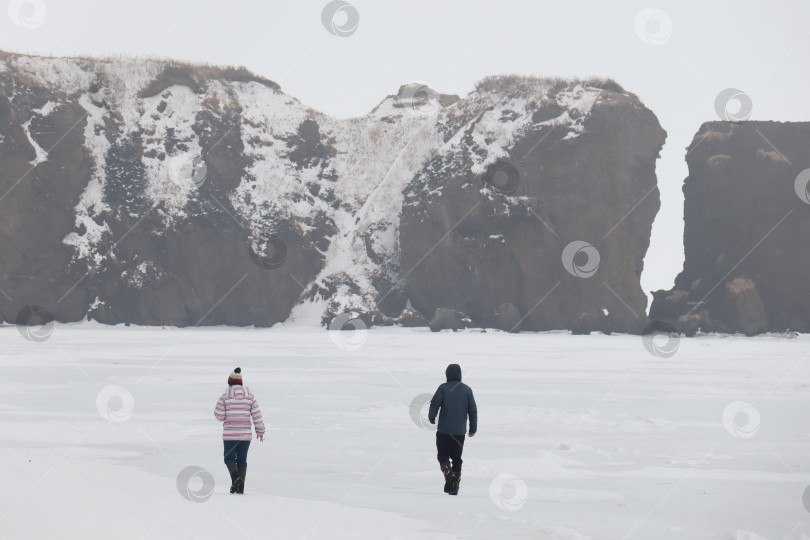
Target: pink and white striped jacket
(236, 407)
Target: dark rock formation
(594, 320)
(746, 225)
(152, 192)
(506, 317)
(409, 318)
(449, 319)
(102, 215)
(552, 216)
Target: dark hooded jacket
(456, 401)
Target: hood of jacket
(238, 391)
(453, 372)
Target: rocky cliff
(536, 213)
(154, 192)
(746, 225)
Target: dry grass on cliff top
(524, 84)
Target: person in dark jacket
(456, 402)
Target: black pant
(236, 452)
(450, 447)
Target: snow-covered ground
(602, 439)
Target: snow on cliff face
(498, 114)
(301, 167)
(273, 187)
(367, 247)
(378, 156)
(170, 118)
(108, 90)
(91, 203)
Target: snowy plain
(579, 436)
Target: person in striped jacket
(236, 407)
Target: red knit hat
(235, 377)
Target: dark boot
(242, 473)
(448, 476)
(456, 482)
(234, 476)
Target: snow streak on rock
(91, 205)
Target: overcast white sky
(759, 47)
